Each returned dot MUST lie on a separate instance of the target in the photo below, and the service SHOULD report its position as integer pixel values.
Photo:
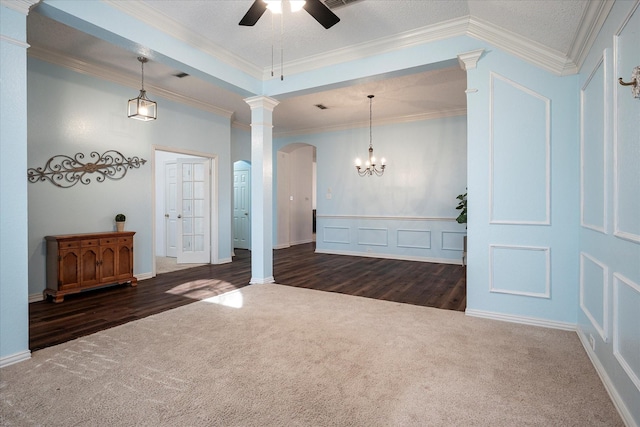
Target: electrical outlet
(592, 342)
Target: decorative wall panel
(336, 234)
(373, 236)
(520, 270)
(626, 134)
(453, 240)
(420, 239)
(520, 142)
(594, 293)
(593, 148)
(626, 327)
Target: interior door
(193, 203)
(241, 209)
(171, 209)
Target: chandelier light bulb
(358, 162)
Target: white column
(14, 253)
(261, 188)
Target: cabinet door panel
(125, 261)
(68, 269)
(89, 262)
(108, 271)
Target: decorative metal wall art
(65, 171)
(634, 83)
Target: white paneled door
(241, 210)
(194, 201)
(171, 209)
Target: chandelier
(142, 108)
(370, 165)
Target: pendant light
(142, 108)
(370, 165)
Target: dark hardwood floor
(419, 283)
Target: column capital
(469, 60)
(21, 6)
(262, 101)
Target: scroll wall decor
(65, 171)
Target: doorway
(242, 205)
(184, 214)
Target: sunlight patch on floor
(231, 299)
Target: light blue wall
(407, 213)
(609, 250)
(73, 113)
(14, 311)
(523, 193)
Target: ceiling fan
(315, 8)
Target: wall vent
(181, 75)
(334, 4)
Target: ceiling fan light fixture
(141, 107)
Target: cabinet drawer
(90, 242)
(125, 239)
(109, 241)
(66, 245)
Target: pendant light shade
(141, 107)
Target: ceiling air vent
(181, 75)
(334, 4)
(321, 106)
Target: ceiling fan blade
(321, 13)
(254, 13)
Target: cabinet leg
(134, 282)
(58, 298)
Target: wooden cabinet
(76, 262)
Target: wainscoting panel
(373, 236)
(626, 328)
(626, 134)
(594, 293)
(520, 151)
(419, 239)
(428, 239)
(453, 240)
(520, 270)
(336, 235)
(593, 148)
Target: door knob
(179, 216)
(246, 213)
(166, 215)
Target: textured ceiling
(212, 25)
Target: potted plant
(120, 219)
(462, 207)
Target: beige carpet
(285, 356)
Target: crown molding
(167, 25)
(21, 6)
(549, 59)
(431, 33)
(116, 76)
(380, 122)
(592, 20)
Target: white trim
(15, 358)
(282, 246)
(15, 42)
(616, 191)
(386, 235)
(546, 249)
(626, 416)
(605, 132)
(388, 256)
(20, 6)
(262, 281)
(224, 261)
(547, 102)
(428, 232)
(603, 329)
(619, 278)
(523, 320)
(464, 233)
(36, 297)
(394, 218)
(469, 60)
(144, 276)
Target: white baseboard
(263, 281)
(389, 256)
(524, 320)
(144, 276)
(15, 358)
(282, 246)
(224, 261)
(608, 384)
(36, 297)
